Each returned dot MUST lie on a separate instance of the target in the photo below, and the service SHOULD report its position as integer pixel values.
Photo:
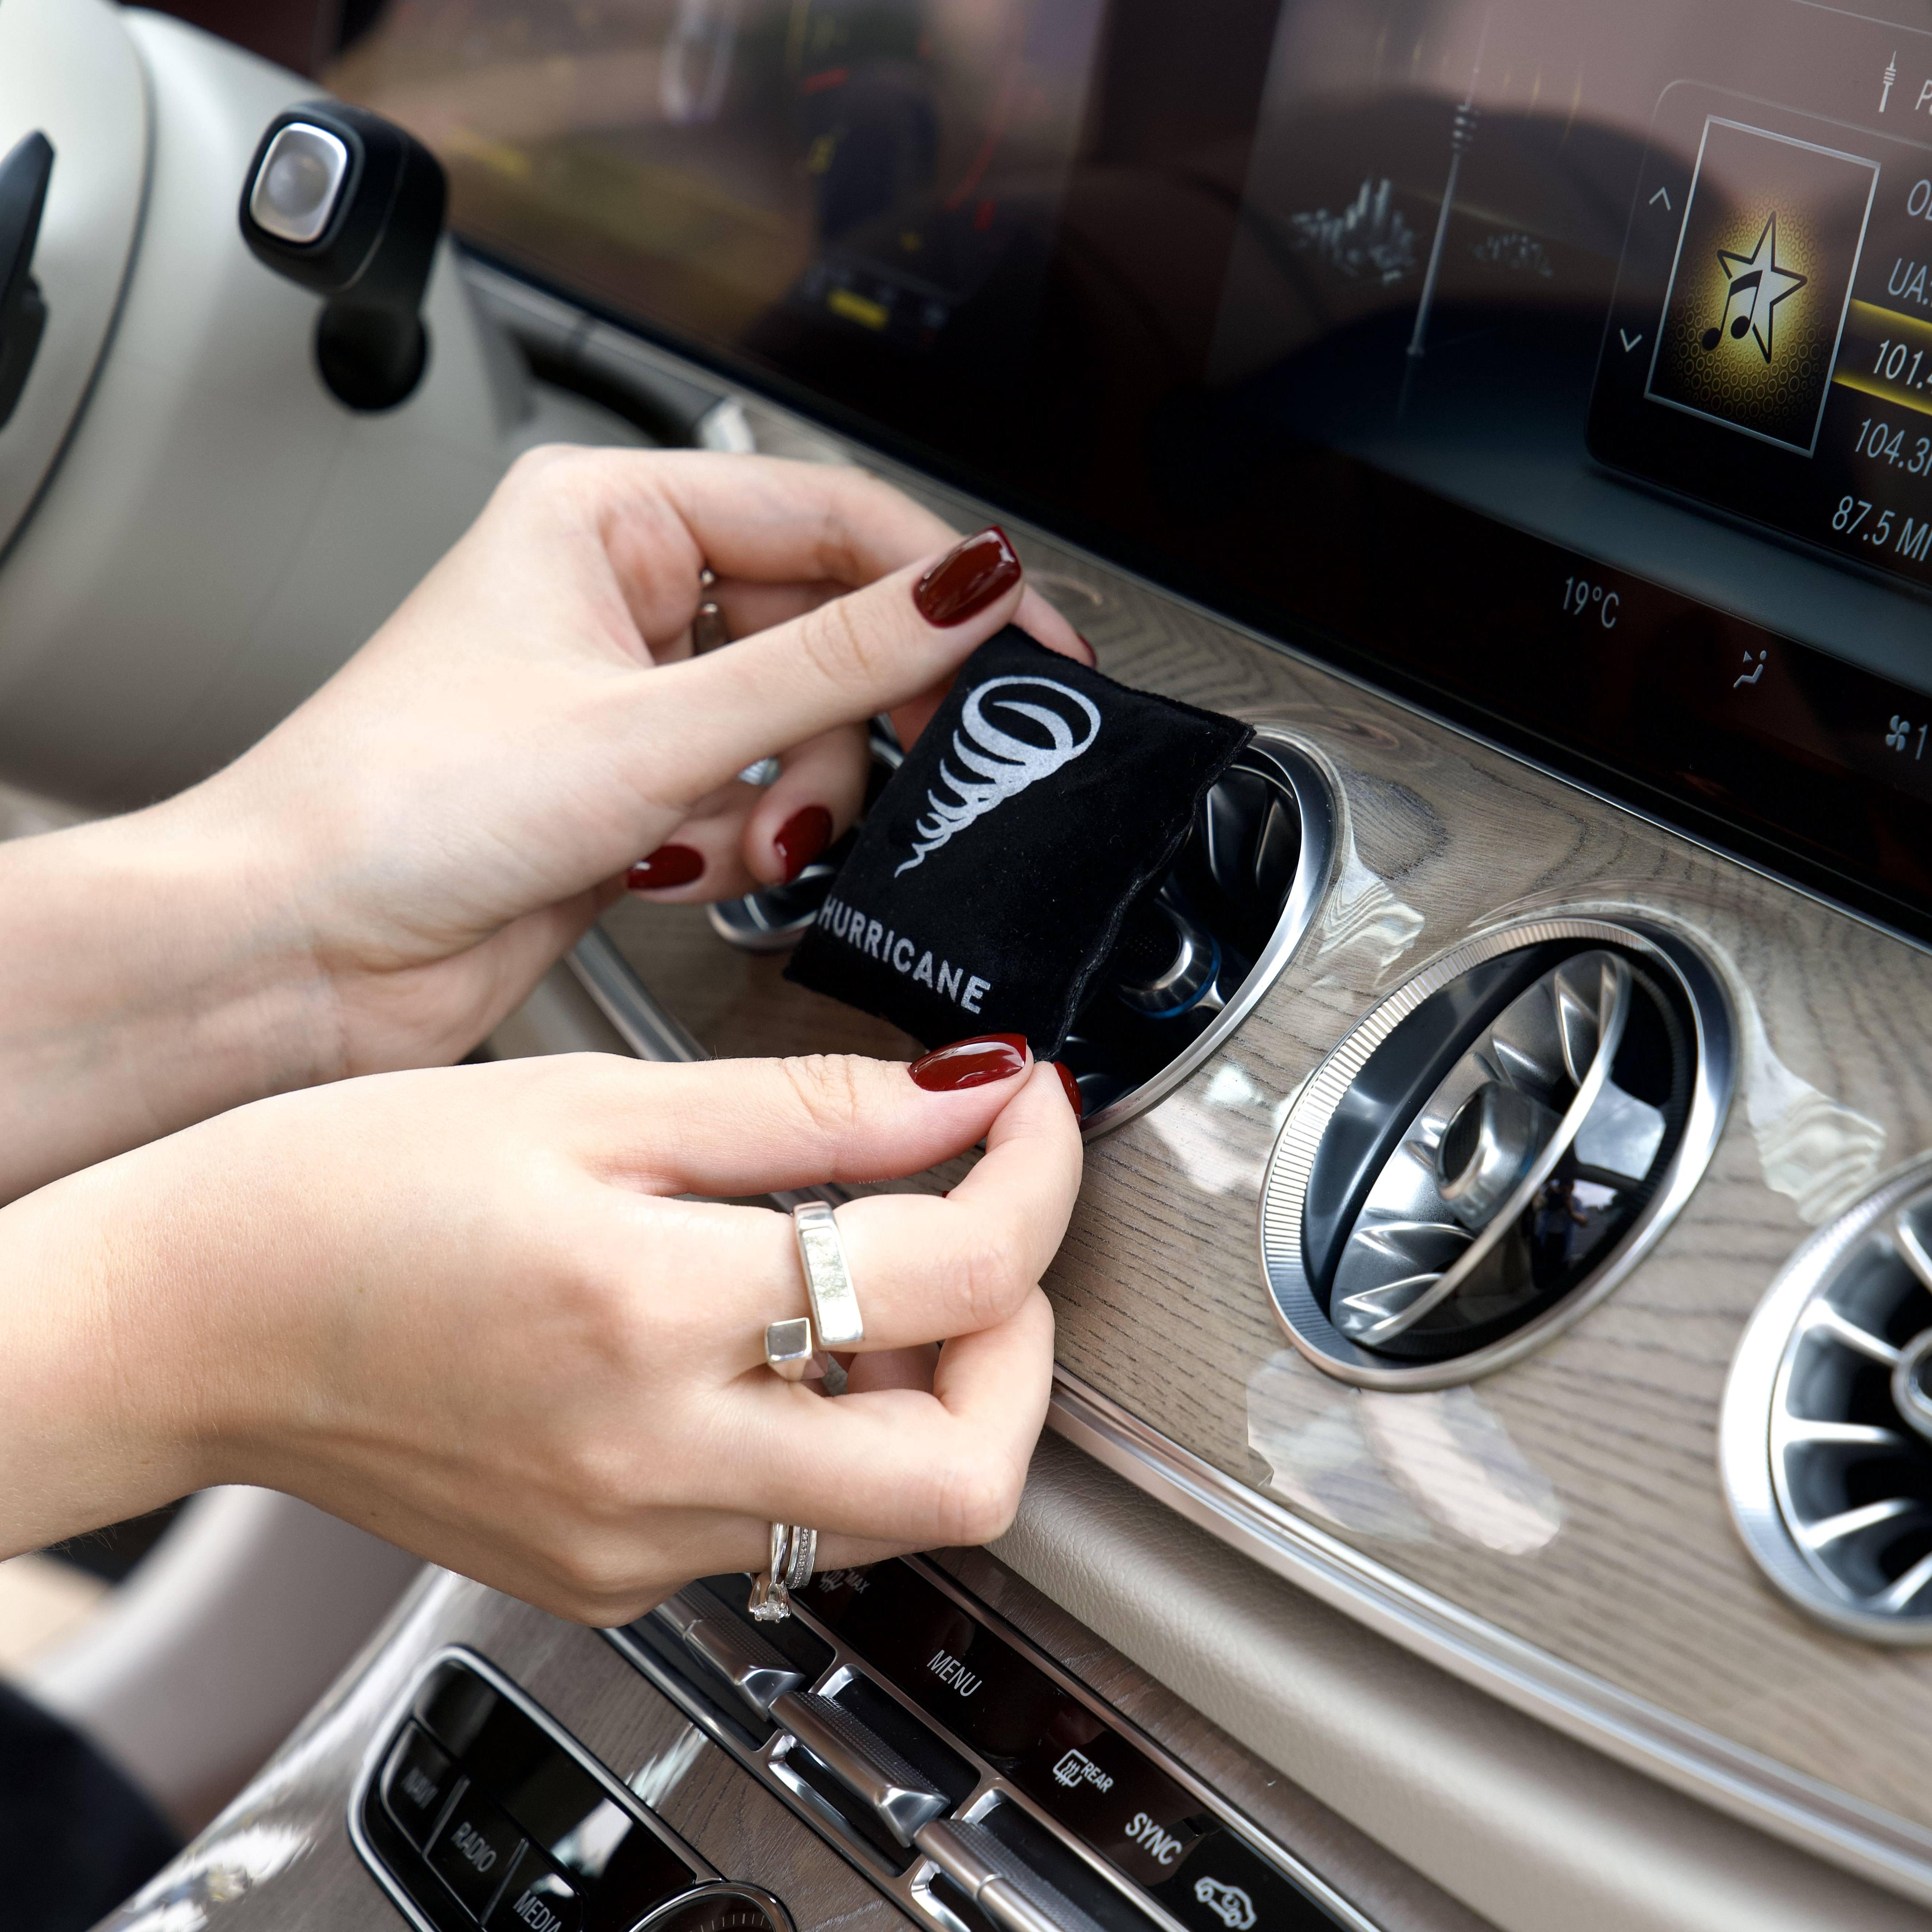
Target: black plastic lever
(348, 205)
(24, 176)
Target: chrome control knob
(1172, 966)
(1911, 1383)
(1490, 1143)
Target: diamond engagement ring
(794, 1552)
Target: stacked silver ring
(794, 1348)
(794, 1554)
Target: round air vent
(1493, 1147)
(1826, 1440)
(1197, 953)
(776, 919)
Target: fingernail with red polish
(668, 865)
(1072, 1087)
(970, 1063)
(1093, 655)
(802, 838)
(968, 577)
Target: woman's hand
(387, 874)
(466, 1309)
(451, 810)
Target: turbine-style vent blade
(1828, 1419)
(1421, 1226)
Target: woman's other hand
(450, 812)
(467, 1308)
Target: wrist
(156, 972)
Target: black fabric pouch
(989, 883)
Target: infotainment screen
(1567, 367)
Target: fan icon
(1901, 730)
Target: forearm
(100, 1397)
(152, 972)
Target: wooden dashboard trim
(1758, 1790)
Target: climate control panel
(960, 1769)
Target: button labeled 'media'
(541, 1902)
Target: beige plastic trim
(1524, 1826)
(203, 1661)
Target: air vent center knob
(1911, 1383)
(1489, 1145)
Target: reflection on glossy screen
(1572, 362)
(720, 161)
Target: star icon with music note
(1761, 282)
(1773, 227)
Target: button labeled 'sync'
(1100, 1787)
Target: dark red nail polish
(1072, 1087)
(802, 838)
(668, 865)
(1093, 655)
(967, 578)
(970, 1063)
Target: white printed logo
(1229, 1902)
(998, 765)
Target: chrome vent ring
(1826, 1439)
(1493, 1147)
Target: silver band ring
(835, 1320)
(794, 1554)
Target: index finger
(758, 519)
(763, 519)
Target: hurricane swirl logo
(993, 764)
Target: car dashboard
(1488, 1476)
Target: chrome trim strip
(650, 1031)
(385, 1736)
(909, 1888)
(1861, 1837)
(1292, 1159)
(1314, 789)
